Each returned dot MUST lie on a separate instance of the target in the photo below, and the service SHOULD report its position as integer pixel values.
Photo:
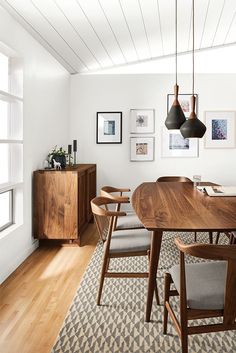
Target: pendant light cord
(176, 42)
(193, 49)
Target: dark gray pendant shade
(175, 117)
(193, 127)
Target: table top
(176, 206)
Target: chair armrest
(207, 251)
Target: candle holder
(69, 154)
(75, 150)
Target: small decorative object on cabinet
(61, 205)
(57, 155)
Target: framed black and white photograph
(109, 127)
(175, 145)
(220, 129)
(184, 101)
(142, 121)
(141, 149)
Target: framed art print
(142, 121)
(141, 149)
(109, 127)
(184, 100)
(175, 145)
(220, 129)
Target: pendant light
(193, 127)
(175, 117)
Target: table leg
(154, 259)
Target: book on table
(220, 190)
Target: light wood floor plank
(36, 297)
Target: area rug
(118, 325)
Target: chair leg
(211, 237)
(104, 269)
(195, 236)
(156, 288)
(184, 341)
(217, 237)
(166, 299)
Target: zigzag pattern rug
(118, 325)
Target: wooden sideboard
(61, 202)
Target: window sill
(9, 230)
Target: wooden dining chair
(230, 235)
(131, 220)
(206, 290)
(117, 244)
(180, 179)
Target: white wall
(46, 108)
(91, 93)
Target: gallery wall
(46, 108)
(91, 94)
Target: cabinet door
(91, 185)
(82, 192)
(55, 205)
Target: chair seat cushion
(123, 241)
(130, 221)
(205, 284)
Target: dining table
(178, 207)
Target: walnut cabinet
(61, 203)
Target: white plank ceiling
(91, 35)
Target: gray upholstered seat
(130, 221)
(205, 284)
(130, 240)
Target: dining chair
(131, 220)
(182, 179)
(206, 290)
(171, 178)
(230, 235)
(118, 244)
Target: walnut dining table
(176, 206)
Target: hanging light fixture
(175, 117)
(193, 127)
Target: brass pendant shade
(193, 127)
(175, 117)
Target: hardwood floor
(35, 298)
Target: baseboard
(18, 261)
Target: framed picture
(109, 127)
(141, 149)
(220, 129)
(175, 145)
(184, 101)
(142, 121)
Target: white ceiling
(92, 35)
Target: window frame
(11, 210)
(13, 95)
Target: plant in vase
(58, 155)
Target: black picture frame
(116, 137)
(170, 99)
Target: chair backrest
(181, 179)
(213, 252)
(104, 218)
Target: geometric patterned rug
(118, 325)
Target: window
(11, 140)
(6, 214)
